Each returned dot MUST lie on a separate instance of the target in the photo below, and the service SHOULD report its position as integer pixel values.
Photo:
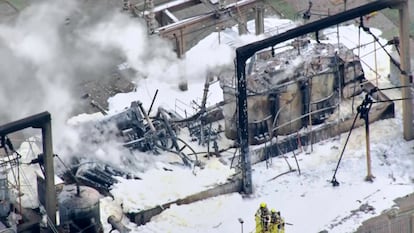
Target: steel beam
(245, 52)
(170, 15)
(43, 121)
(50, 201)
(35, 121)
(205, 18)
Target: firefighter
(262, 217)
(277, 224)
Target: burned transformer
(293, 88)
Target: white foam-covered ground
(308, 200)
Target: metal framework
(245, 52)
(42, 121)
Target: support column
(242, 26)
(259, 19)
(242, 129)
(50, 202)
(406, 76)
(151, 17)
(180, 50)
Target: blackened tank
(79, 212)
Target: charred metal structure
(293, 88)
(245, 52)
(42, 121)
(78, 207)
(140, 132)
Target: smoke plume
(52, 47)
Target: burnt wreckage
(288, 89)
(138, 131)
(292, 89)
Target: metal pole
(376, 64)
(243, 132)
(152, 127)
(183, 84)
(50, 202)
(259, 20)
(406, 68)
(151, 17)
(242, 25)
(369, 177)
(241, 223)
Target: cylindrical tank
(4, 196)
(289, 110)
(79, 212)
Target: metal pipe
(152, 102)
(152, 128)
(117, 225)
(369, 176)
(35, 121)
(259, 20)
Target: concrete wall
(399, 219)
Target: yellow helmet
(273, 211)
(262, 205)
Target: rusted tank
(79, 211)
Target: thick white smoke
(54, 46)
(43, 60)
(45, 57)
